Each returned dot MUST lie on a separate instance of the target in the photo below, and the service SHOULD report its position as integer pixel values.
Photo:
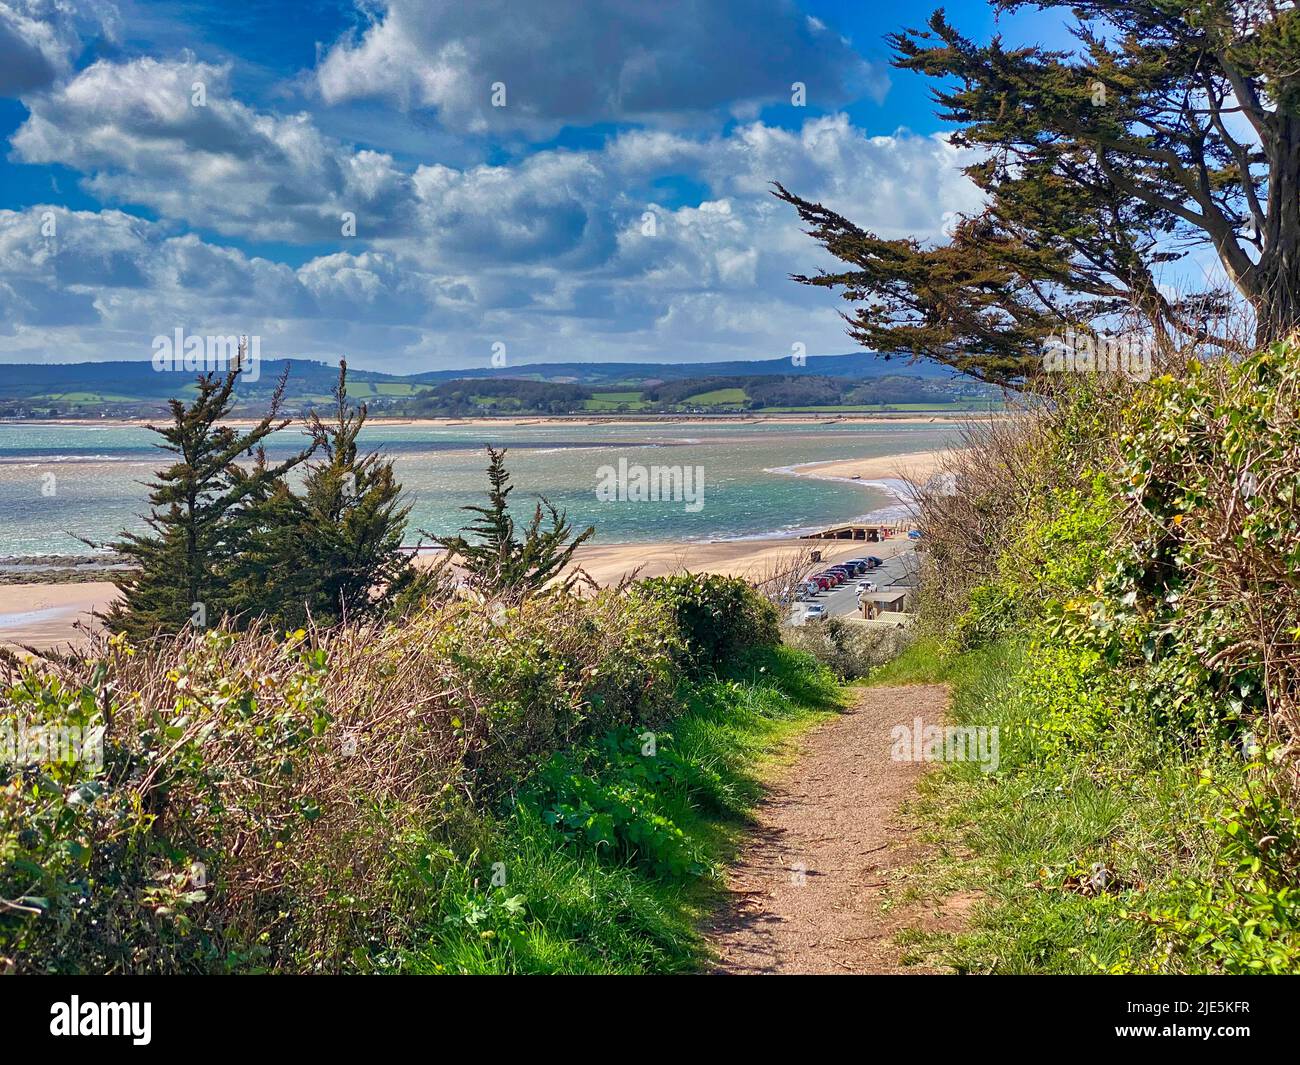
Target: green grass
(922, 662)
(580, 915)
(630, 399)
(717, 397)
(82, 397)
(1026, 837)
(398, 388)
(367, 389)
(565, 909)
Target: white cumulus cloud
(584, 61)
(39, 39)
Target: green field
(719, 397)
(631, 399)
(362, 389)
(878, 408)
(81, 397)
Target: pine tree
(199, 504)
(333, 552)
(1171, 126)
(502, 565)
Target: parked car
(822, 581)
(814, 612)
(859, 565)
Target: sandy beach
(910, 466)
(46, 615)
(752, 559)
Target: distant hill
(139, 380)
(121, 388)
(862, 365)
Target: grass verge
(1075, 849)
(609, 861)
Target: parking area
(895, 571)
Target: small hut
(892, 601)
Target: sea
(61, 482)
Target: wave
(40, 459)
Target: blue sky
(410, 182)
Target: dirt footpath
(807, 891)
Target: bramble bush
(1141, 546)
(259, 797)
(849, 649)
(717, 618)
(1247, 920)
(302, 802)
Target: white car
(814, 612)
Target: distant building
(892, 601)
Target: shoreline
(45, 615)
(893, 474)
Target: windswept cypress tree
(199, 504)
(503, 565)
(1171, 125)
(333, 552)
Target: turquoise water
(61, 481)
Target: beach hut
(891, 601)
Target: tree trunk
(1277, 312)
(1277, 296)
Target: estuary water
(58, 482)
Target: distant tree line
(465, 397)
(462, 398)
(469, 396)
(515, 395)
